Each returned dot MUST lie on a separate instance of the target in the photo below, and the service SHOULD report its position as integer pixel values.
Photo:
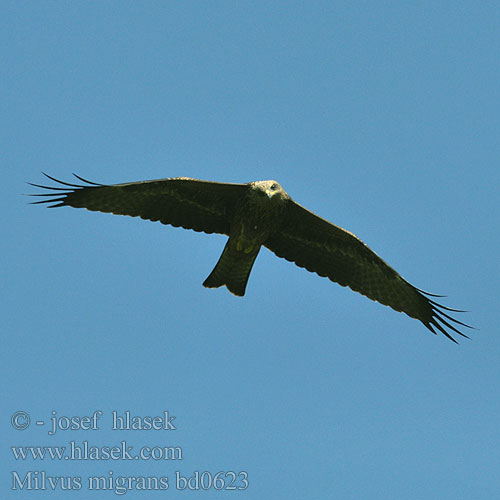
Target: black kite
(252, 215)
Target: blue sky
(382, 117)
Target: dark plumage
(252, 215)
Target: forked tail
(232, 270)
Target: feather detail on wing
(330, 251)
(181, 202)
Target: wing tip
(442, 321)
(60, 194)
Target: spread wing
(330, 251)
(182, 202)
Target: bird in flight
(253, 215)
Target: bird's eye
(274, 186)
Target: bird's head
(271, 189)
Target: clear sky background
(382, 117)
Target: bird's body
(254, 215)
(257, 214)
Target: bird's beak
(269, 193)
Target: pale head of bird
(271, 190)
